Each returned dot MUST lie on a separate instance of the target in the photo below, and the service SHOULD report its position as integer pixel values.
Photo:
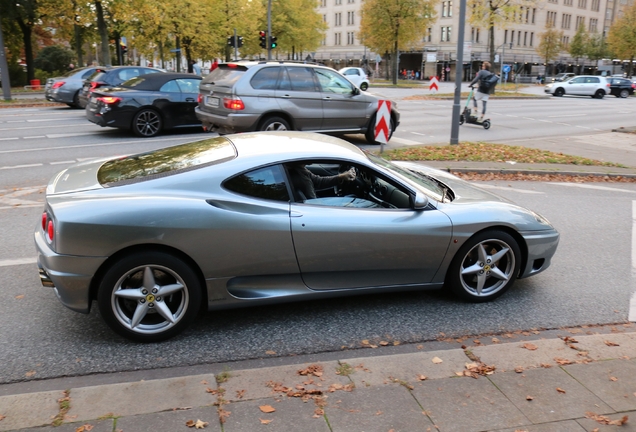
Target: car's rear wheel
(149, 296)
(147, 123)
(624, 93)
(76, 101)
(370, 133)
(599, 94)
(559, 92)
(274, 124)
(364, 86)
(485, 267)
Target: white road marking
(588, 186)
(62, 162)
(9, 139)
(632, 300)
(92, 145)
(568, 115)
(488, 186)
(66, 125)
(21, 166)
(21, 261)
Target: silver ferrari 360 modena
(271, 217)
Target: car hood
(79, 177)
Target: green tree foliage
(25, 14)
(502, 14)
(296, 24)
(622, 36)
(577, 47)
(54, 59)
(550, 43)
(596, 47)
(394, 25)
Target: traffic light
(239, 41)
(272, 42)
(230, 41)
(263, 37)
(124, 49)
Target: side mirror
(356, 91)
(420, 202)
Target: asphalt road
(590, 281)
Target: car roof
(153, 81)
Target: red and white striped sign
(433, 85)
(383, 121)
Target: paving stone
(105, 425)
(613, 381)
(593, 426)
(599, 347)
(562, 426)
(407, 367)
(292, 414)
(141, 397)
(379, 408)
(29, 409)
(548, 404)
(252, 383)
(465, 404)
(508, 356)
(172, 421)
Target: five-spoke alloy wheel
(149, 297)
(275, 124)
(485, 267)
(147, 123)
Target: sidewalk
(580, 379)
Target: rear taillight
(233, 104)
(634, 86)
(200, 98)
(50, 230)
(94, 85)
(58, 84)
(109, 100)
(44, 219)
(48, 227)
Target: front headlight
(542, 220)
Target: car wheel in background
(274, 124)
(370, 133)
(485, 267)
(599, 94)
(149, 296)
(624, 93)
(76, 101)
(559, 92)
(146, 123)
(364, 86)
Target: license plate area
(212, 101)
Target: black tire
(140, 279)
(624, 93)
(600, 94)
(486, 124)
(147, 123)
(76, 101)
(274, 124)
(490, 259)
(461, 119)
(559, 92)
(364, 86)
(370, 133)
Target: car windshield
(428, 184)
(165, 161)
(133, 82)
(226, 73)
(73, 72)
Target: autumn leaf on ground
(264, 421)
(270, 352)
(84, 428)
(384, 343)
(529, 346)
(30, 373)
(609, 343)
(529, 398)
(495, 340)
(211, 391)
(562, 361)
(334, 387)
(19, 297)
(315, 370)
(267, 409)
(318, 412)
(613, 379)
(519, 369)
(437, 360)
(605, 420)
(569, 339)
(421, 377)
(240, 394)
(2, 417)
(223, 415)
(196, 424)
(560, 390)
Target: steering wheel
(349, 187)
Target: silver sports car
(271, 217)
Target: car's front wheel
(624, 93)
(485, 267)
(559, 92)
(274, 124)
(364, 86)
(599, 94)
(147, 123)
(149, 296)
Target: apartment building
(437, 53)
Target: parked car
(147, 104)
(111, 76)
(563, 77)
(582, 85)
(66, 88)
(357, 76)
(268, 95)
(621, 87)
(220, 223)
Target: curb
(485, 171)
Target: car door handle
(189, 99)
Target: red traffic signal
(263, 37)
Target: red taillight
(634, 86)
(233, 104)
(44, 218)
(109, 100)
(232, 65)
(50, 230)
(200, 98)
(58, 84)
(94, 85)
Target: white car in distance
(357, 76)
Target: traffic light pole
(235, 46)
(269, 29)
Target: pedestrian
(539, 79)
(196, 69)
(214, 65)
(482, 90)
(417, 75)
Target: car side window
(170, 87)
(266, 78)
(352, 72)
(302, 79)
(579, 80)
(267, 183)
(332, 82)
(188, 85)
(87, 73)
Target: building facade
(515, 44)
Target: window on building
(474, 35)
(338, 19)
(351, 38)
(566, 19)
(565, 41)
(450, 8)
(567, 2)
(429, 35)
(505, 36)
(351, 18)
(534, 14)
(525, 38)
(580, 21)
(531, 38)
(551, 19)
(519, 37)
(446, 34)
(324, 18)
(582, 4)
(593, 25)
(444, 12)
(553, 1)
(596, 5)
(512, 37)
(338, 2)
(338, 39)
(323, 3)
(608, 13)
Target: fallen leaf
(30, 373)
(396, 343)
(190, 423)
(421, 377)
(267, 409)
(318, 412)
(240, 394)
(605, 420)
(519, 369)
(270, 352)
(263, 421)
(529, 398)
(2, 417)
(315, 370)
(211, 391)
(384, 343)
(560, 390)
(437, 360)
(84, 428)
(21, 296)
(223, 415)
(495, 340)
(609, 343)
(529, 346)
(613, 379)
(365, 342)
(562, 361)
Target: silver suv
(581, 85)
(275, 95)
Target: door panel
(297, 95)
(342, 108)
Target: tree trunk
(103, 33)
(27, 31)
(78, 45)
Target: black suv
(277, 95)
(110, 76)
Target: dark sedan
(621, 87)
(147, 104)
(66, 88)
(110, 76)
